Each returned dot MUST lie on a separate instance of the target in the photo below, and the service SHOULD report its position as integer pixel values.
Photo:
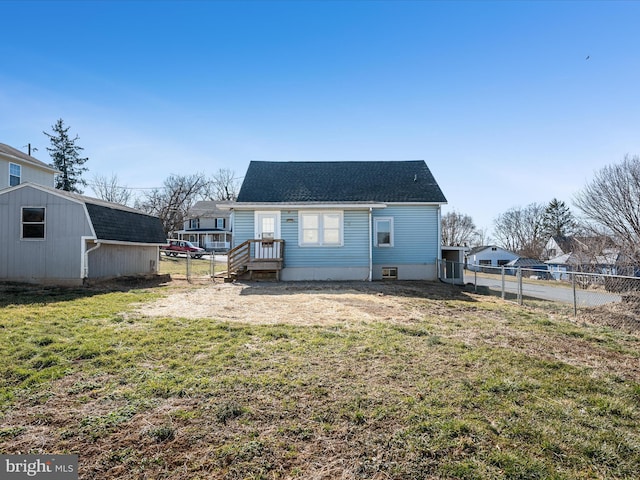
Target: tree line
(608, 212)
(170, 202)
(609, 204)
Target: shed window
(15, 174)
(318, 229)
(33, 222)
(383, 232)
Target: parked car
(182, 246)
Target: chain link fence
(576, 290)
(185, 266)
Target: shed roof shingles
(392, 181)
(116, 224)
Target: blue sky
(498, 98)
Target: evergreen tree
(558, 219)
(66, 158)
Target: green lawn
(199, 267)
(473, 388)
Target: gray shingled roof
(208, 209)
(396, 181)
(116, 224)
(18, 155)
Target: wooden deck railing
(240, 257)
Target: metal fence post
(520, 302)
(475, 279)
(188, 266)
(575, 295)
(503, 284)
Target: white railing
(217, 245)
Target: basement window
(33, 221)
(389, 273)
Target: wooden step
(265, 265)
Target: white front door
(267, 229)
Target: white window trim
(22, 223)
(11, 175)
(375, 231)
(320, 214)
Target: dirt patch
(302, 303)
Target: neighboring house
(608, 262)
(586, 254)
(207, 226)
(57, 237)
(17, 167)
(558, 245)
(488, 256)
(338, 220)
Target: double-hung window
(15, 174)
(33, 223)
(321, 229)
(383, 232)
(220, 223)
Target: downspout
(370, 245)
(86, 259)
(439, 253)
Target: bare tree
(480, 238)
(172, 202)
(612, 200)
(223, 185)
(109, 189)
(457, 229)
(521, 230)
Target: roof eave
(305, 205)
(32, 163)
(124, 242)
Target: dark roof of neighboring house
(567, 244)
(394, 181)
(525, 262)
(208, 209)
(18, 155)
(583, 243)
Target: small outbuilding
(51, 236)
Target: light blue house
(338, 221)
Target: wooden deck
(255, 256)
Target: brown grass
(333, 381)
